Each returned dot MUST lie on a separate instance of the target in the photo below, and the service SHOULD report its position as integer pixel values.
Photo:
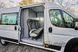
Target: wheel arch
(71, 44)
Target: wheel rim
(2, 41)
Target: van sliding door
(9, 26)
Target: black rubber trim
(9, 39)
(54, 47)
(76, 28)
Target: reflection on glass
(9, 18)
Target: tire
(3, 42)
(72, 45)
(74, 49)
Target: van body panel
(53, 35)
(8, 31)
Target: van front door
(59, 27)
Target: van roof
(33, 5)
(10, 10)
(41, 4)
(16, 9)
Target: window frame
(10, 13)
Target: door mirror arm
(76, 24)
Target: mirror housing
(76, 24)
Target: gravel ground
(19, 48)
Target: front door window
(60, 18)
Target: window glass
(69, 21)
(9, 18)
(56, 18)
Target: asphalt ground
(20, 48)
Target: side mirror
(76, 24)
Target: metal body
(9, 31)
(58, 37)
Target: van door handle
(15, 28)
(50, 29)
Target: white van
(45, 26)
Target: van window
(9, 19)
(56, 18)
(69, 21)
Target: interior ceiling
(38, 9)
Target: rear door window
(9, 19)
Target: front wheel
(3, 42)
(75, 49)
